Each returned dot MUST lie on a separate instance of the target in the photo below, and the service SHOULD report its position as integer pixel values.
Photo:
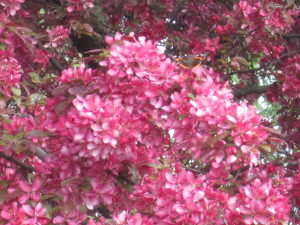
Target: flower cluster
(81, 73)
(10, 72)
(79, 5)
(121, 121)
(57, 36)
(177, 198)
(181, 197)
(207, 121)
(10, 7)
(274, 16)
(262, 200)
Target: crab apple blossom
(149, 112)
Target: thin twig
(267, 64)
(290, 35)
(56, 64)
(53, 61)
(16, 161)
(203, 21)
(246, 71)
(282, 163)
(250, 90)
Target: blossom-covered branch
(16, 161)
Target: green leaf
(3, 193)
(182, 116)
(4, 183)
(69, 180)
(241, 60)
(42, 11)
(19, 136)
(266, 148)
(191, 96)
(37, 133)
(37, 98)
(35, 78)
(16, 91)
(47, 197)
(61, 107)
(153, 165)
(212, 141)
(10, 196)
(49, 210)
(7, 138)
(60, 90)
(2, 46)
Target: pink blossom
(35, 215)
(30, 191)
(57, 36)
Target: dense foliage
(142, 112)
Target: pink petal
(36, 184)
(58, 220)
(24, 186)
(96, 127)
(106, 138)
(231, 118)
(248, 191)
(39, 209)
(245, 149)
(198, 196)
(170, 178)
(219, 157)
(261, 219)
(231, 159)
(186, 192)
(106, 126)
(78, 104)
(150, 93)
(190, 176)
(103, 63)
(96, 152)
(179, 209)
(35, 196)
(238, 140)
(6, 215)
(78, 136)
(113, 72)
(23, 198)
(109, 40)
(28, 210)
(107, 199)
(232, 201)
(113, 142)
(248, 220)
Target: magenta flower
(30, 190)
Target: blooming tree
(141, 112)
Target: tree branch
(225, 3)
(272, 63)
(203, 170)
(201, 17)
(53, 61)
(56, 64)
(104, 211)
(246, 71)
(16, 161)
(250, 90)
(283, 163)
(239, 171)
(35, 150)
(291, 36)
